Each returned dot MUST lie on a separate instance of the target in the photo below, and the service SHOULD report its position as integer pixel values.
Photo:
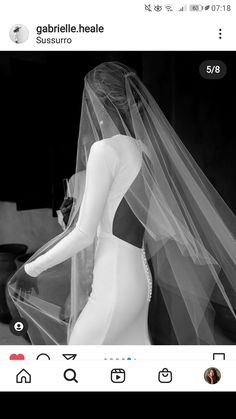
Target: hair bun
(108, 82)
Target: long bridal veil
(189, 230)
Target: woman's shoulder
(103, 146)
(103, 149)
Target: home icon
(23, 377)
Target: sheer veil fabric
(189, 230)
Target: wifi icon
(169, 8)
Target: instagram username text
(65, 29)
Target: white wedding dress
(117, 310)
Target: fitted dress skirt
(117, 310)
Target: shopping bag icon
(165, 376)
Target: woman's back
(118, 218)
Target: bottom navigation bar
(116, 376)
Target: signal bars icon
(183, 8)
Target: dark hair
(214, 370)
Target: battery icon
(196, 7)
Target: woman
(212, 376)
(144, 198)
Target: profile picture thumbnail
(212, 375)
(19, 33)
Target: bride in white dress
(144, 204)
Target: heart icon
(18, 356)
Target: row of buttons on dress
(148, 274)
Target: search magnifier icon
(70, 375)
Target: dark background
(40, 111)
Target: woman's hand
(24, 283)
(211, 378)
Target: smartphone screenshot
(117, 196)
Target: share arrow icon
(70, 356)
